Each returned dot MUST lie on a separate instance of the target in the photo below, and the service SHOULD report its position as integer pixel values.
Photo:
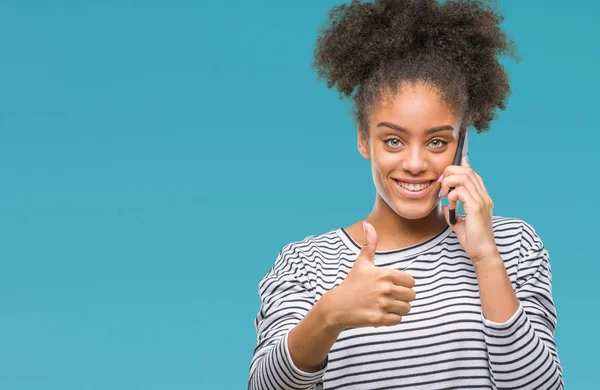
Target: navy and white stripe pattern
(443, 343)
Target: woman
(404, 298)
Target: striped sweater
(445, 342)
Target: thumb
(367, 252)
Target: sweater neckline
(406, 251)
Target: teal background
(155, 156)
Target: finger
(464, 181)
(367, 252)
(478, 182)
(452, 170)
(486, 196)
(464, 161)
(465, 196)
(401, 293)
(475, 177)
(455, 170)
(397, 307)
(388, 319)
(402, 279)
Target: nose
(414, 161)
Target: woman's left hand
(474, 233)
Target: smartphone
(461, 150)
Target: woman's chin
(414, 211)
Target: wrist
(487, 254)
(488, 262)
(329, 317)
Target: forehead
(415, 107)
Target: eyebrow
(402, 130)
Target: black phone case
(461, 150)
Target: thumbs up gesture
(370, 295)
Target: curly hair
(368, 49)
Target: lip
(411, 194)
(414, 181)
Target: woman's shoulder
(504, 222)
(299, 256)
(514, 229)
(308, 243)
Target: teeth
(414, 187)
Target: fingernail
(441, 178)
(440, 193)
(365, 227)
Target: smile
(413, 190)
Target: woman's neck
(395, 231)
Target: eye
(440, 143)
(393, 142)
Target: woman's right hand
(370, 296)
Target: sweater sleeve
(286, 297)
(522, 351)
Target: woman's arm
(309, 342)
(294, 335)
(519, 325)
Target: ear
(363, 144)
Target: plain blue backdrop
(155, 157)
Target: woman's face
(412, 138)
